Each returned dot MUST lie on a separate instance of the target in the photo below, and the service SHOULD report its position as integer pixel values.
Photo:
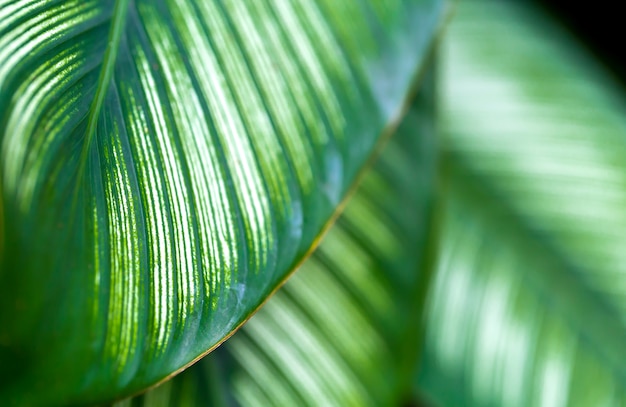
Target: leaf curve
(164, 164)
(341, 332)
(527, 304)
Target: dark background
(600, 26)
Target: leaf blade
(526, 307)
(228, 134)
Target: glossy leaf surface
(527, 307)
(165, 164)
(342, 331)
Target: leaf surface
(527, 306)
(165, 164)
(341, 332)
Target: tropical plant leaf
(165, 164)
(342, 331)
(527, 306)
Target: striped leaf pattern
(342, 330)
(165, 164)
(527, 307)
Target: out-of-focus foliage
(528, 306)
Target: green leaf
(342, 330)
(165, 164)
(527, 306)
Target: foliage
(166, 165)
(527, 307)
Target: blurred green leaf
(527, 307)
(342, 331)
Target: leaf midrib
(118, 23)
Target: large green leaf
(342, 331)
(528, 305)
(165, 164)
